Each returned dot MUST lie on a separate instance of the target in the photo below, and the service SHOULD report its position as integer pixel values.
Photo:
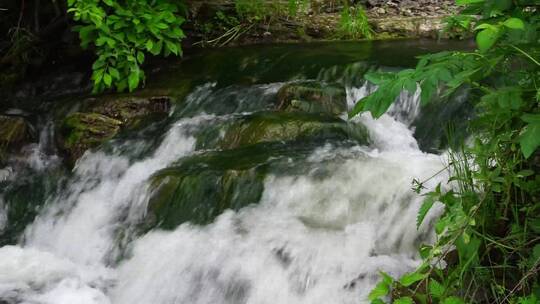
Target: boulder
(82, 131)
(103, 117)
(126, 109)
(13, 130)
(313, 97)
(283, 126)
(199, 188)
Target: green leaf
(436, 289)
(378, 78)
(514, 23)
(411, 278)
(453, 300)
(534, 259)
(161, 26)
(157, 48)
(404, 300)
(114, 73)
(387, 278)
(531, 118)
(528, 300)
(140, 57)
(424, 209)
(149, 45)
(530, 138)
(133, 80)
(381, 289)
(487, 38)
(173, 48)
(107, 79)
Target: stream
(181, 211)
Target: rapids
(320, 233)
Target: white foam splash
(311, 239)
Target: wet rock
(283, 126)
(82, 131)
(22, 198)
(442, 123)
(14, 130)
(198, 188)
(201, 187)
(101, 118)
(128, 108)
(313, 97)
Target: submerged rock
(200, 187)
(313, 97)
(282, 126)
(82, 131)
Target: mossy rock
(283, 126)
(128, 109)
(14, 130)
(198, 188)
(201, 187)
(313, 97)
(82, 131)
(103, 117)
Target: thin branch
(21, 15)
(526, 55)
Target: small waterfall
(320, 237)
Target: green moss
(201, 187)
(283, 126)
(82, 131)
(128, 108)
(313, 97)
(12, 130)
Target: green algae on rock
(313, 97)
(83, 131)
(13, 130)
(200, 187)
(104, 117)
(282, 126)
(128, 108)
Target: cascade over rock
(200, 187)
(283, 126)
(313, 97)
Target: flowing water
(330, 213)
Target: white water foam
(79, 229)
(310, 240)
